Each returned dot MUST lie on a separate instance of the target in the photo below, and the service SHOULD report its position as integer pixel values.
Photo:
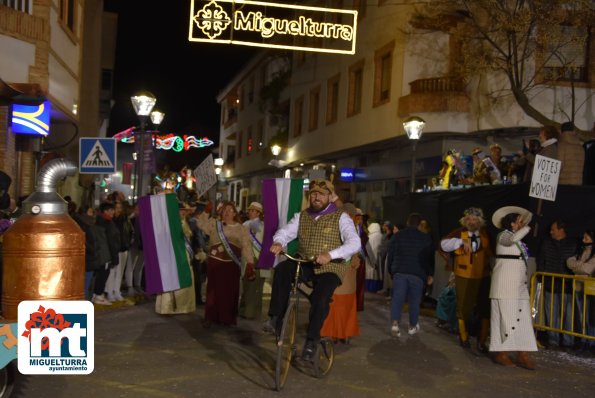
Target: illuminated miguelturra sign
(272, 25)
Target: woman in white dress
(511, 323)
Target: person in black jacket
(96, 249)
(125, 233)
(552, 256)
(412, 267)
(106, 227)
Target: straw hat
(322, 186)
(502, 212)
(255, 206)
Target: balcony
(439, 94)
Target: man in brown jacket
(572, 156)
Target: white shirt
(452, 244)
(351, 240)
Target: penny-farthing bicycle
(286, 345)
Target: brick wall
(8, 159)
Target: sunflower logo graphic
(212, 20)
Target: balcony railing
(436, 84)
(19, 5)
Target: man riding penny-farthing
(327, 236)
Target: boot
(503, 359)
(463, 335)
(484, 332)
(524, 361)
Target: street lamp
(143, 103)
(157, 118)
(276, 150)
(218, 162)
(414, 127)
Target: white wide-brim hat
(502, 212)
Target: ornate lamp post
(414, 127)
(143, 103)
(276, 150)
(157, 118)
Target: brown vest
(320, 236)
(473, 265)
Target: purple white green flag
(282, 199)
(166, 263)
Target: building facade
(61, 52)
(345, 113)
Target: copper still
(44, 250)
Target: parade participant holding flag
(328, 234)
(229, 244)
(251, 300)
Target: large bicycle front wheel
(285, 346)
(325, 358)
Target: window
(570, 61)
(259, 135)
(314, 105)
(249, 143)
(332, 99)
(354, 97)
(19, 5)
(360, 6)
(298, 110)
(239, 145)
(337, 17)
(383, 62)
(251, 89)
(300, 58)
(68, 14)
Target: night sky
(184, 76)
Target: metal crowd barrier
(570, 288)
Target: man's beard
(318, 206)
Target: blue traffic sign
(97, 155)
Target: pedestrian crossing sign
(97, 155)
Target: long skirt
(181, 301)
(251, 300)
(223, 292)
(341, 322)
(511, 326)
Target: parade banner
(205, 176)
(273, 25)
(544, 183)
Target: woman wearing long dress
(511, 323)
(181, 301)
(229, 244)
(341, 322)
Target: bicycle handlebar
(300, 260)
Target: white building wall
(16, 58)
(426, 56)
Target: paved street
(141, 354)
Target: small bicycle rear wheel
(325, 359)
(285, 346)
